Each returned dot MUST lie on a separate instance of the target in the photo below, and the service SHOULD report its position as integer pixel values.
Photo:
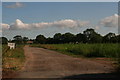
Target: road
(43, 63)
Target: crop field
(13, 59)
(86, 50)
(0, 56)
(0, 47)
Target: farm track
(43, 63)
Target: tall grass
(87, 50)
(13, 59)
(0, 48)
(18, 52)
(5, 48)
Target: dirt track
(43, 63)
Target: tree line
(88, 36)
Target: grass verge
(12, 59)
(86, 50)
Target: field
(85, 50)
(0, 56)
(12, 59)
(0, 47)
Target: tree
(17, 39)
(80, 38)
(50, 40)
(67, 38)
(3, 40)
(118, 38)
(91, 36)
(88, 33)
(40, 39)
(109, 38)
(57, 38)
(0, 40)
(25, 39)
(96, 38)
(115, 39)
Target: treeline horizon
(88, 36)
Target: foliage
(57, 38)
(88, 36)
(18, 39)
(3, 40)
(40, 39)
(92, 36)
(110, 38)
(87, 50)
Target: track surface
(43, 63)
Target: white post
(11, 45)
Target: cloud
(69, 23)
(111, 21)
(5, 26)
(16, 5)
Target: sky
(47, 18)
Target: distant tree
(96, 38)
(25, 39)
(0, 40)
(109, 38)
(50, 41)
(80, 38)
(91, 36)
(57, 38)
(114, 39)
(118, 38)
(3, 40)
(40, 39)
(67, 38)
(17, 39)
(88, 33)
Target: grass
(0, 48)
(86, 50)
(4, 49)
(13, 59)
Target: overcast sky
(33, 18)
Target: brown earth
(43, 63)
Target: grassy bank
(86, 50)
(0, 47)
(13, 59)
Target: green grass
(18, 52)
(4, 48)
(13, 59)
(0, 48)
(86, 50)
